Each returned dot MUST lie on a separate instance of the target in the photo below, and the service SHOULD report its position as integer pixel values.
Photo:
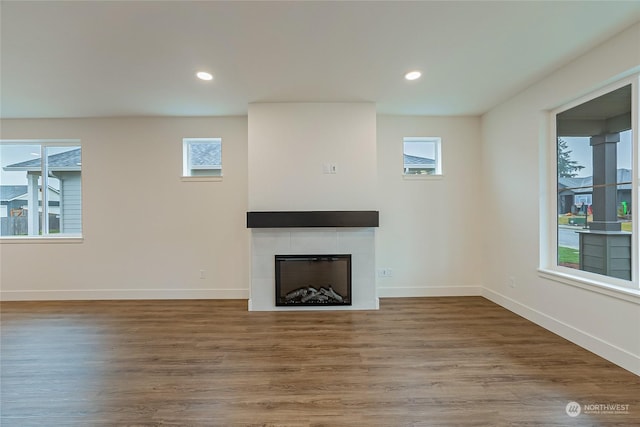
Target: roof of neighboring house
(575, 182)
(206, 154)
(579, 185)
(65, 161)
(418, 161)
(12, 192)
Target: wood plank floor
(415, 362)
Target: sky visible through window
(420, 149)
(16, 153)
(581, 152)
(10, 154)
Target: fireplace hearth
(313, 280)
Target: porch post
(604, 248)
(33, 223)
(605, 164)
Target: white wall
(290, 142)
(429, 228)
(515, 140)
(147, 234)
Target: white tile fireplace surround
(268, 242)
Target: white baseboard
(435, 291)
(122, 294)
(612, 353)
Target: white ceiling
(90, 59)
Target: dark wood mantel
(293, 219)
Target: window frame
(186, 143)
(47, 237)
(438, 174)
(549, 268)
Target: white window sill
(201, 178)
(40, 239)
(614, 291)
(422, 177)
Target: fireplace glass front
(308, 280)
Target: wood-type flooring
(415, 362)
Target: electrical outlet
(203, 274)
(511, 281)
(385, 272)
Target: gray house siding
(71, 197)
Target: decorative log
(295, 294)
(331, 293)
(309, 294)
(312, 293)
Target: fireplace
(319, 235)
(313, 280)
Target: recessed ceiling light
(413, 75)
(203, 75)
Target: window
(596, 187)
(40, 188)
(422, 156)
(201, 157)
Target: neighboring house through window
(28, 167)
(201, 157)
(595, 185)
(422, 156)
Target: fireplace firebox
(312, 280)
